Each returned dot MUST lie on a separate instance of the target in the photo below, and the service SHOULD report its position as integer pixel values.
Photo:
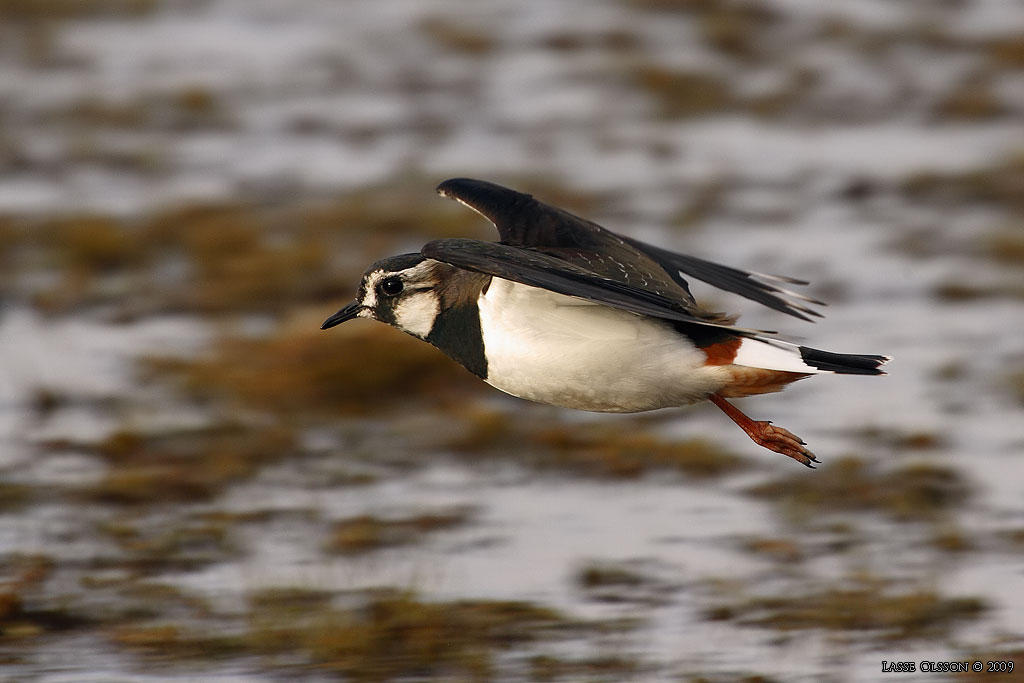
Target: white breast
(569, 352)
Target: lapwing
(565, 312)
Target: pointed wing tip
(780, 278)
(802, 312)
(793, 303)
(799, 315)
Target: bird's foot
(767, 435)
(780, 440)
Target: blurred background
(197, 483)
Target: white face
(415, 313)
(406, 299)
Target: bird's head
(403, 291)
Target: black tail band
(843, 363)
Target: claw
(764, 434)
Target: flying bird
(565, 312)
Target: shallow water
(269, 105)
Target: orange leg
(764, 434)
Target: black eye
(391, 286)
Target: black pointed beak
(347, 312)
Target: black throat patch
(457, 333)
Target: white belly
(572, 353)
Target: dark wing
(521, 220)
(536, 269)
(736, 281)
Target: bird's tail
(773, 354)
(844, 363)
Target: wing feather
(524, 221)
(536, 269)
(735, 280)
